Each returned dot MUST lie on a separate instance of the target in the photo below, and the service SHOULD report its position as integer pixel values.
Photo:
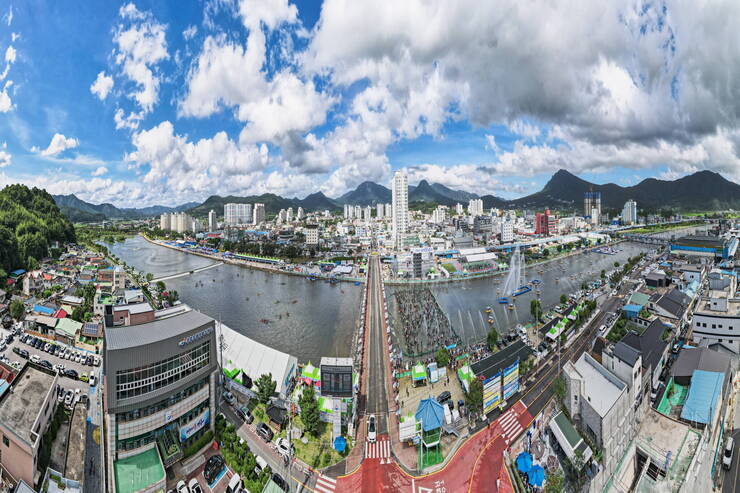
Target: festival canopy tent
(466, 376)
(340, 443)
(419, 372)
(536, 476)
(311, 374)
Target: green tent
(419, 372)
(311, 373)
(465, 374)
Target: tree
(161, 286)
(149, 276)
(603, 273)
(546, 252)
(265, 388)
(310, 410)
(616, 264)
(442, 357)
(17, 309)
(555, 482)
(558, 389)
(535, 308)
(492, 338)
(563, 299)
(474, 397)
(32, 263)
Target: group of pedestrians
(425, 326)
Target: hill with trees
(30, 222)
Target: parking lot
(68, 364)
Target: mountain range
(703, 191)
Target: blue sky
(167, 102)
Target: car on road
(444, 396)
(278, 480)
(70, 373)
(194, 486)
(68, 398)
(182, 487)
(244, 414)
(229, 398)
(214, 465)
(727, 455)
(372, 432)
(265, 432)
(92, 380)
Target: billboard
(189, 429)
(511, 380)
(491, 392)
(336, 381)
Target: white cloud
(9, 16)
(524, 129)
(5, 157)
(130, 121)
(190, 32)
(5, 103)
(100, 171)
(271, 13)
(140, 46)
(102, 85)
(10, 54)
(58, 144)
(491, 143)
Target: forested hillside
(30, 222)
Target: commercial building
(311, 233)
(545, 223)
(629, 212)
(160, 393)
(716, 319)
(27, 404)
(258, 214)
(713, 247)
(400, 197)
(237, 214)
(601, 402)
(507, 231)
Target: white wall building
(716, 317)
(380, 211)
(237, 214)
(629, 212)
(212, 220)
(311, 233)
(258, 215)
(459, 209)
(475, 207)
(302, 214)
(439, 215)
(400, 196)
(507, 231)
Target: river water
(307, 319)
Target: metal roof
(700, 405)
(164, 328)
(626, 353)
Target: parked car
(70, 373)
(444, 396)
(46, 364)
(244, 414)
(182, 487)
(727, 456)
(84, 377)
(23, 354)
(92, 380)
(214, 466)
(229, 397)
(278, 480)
(265, 432)
(284, 447)
(261, 464)
(68, 398)
(194, 486)
(372, 433)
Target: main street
(376, 391)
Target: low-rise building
(716, 319)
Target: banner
(189, 429)
(491, 392)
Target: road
(377, 397)
(731, 478)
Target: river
(308, 319)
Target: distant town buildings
(212, 220)
(400, 196)
(545, 223)
(301, 214)
(180, 222)
(439, 215)
(475, 207)
(507, 231)
(459, 209)
(629, 212)
(592, 206)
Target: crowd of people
(425, 326)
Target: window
(6, 442)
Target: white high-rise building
(358, 212)
(629, 212)
(459, 209)
(237, 214)
(400, 196)
(281, 216)
(475, 207)
(347, 211)
(300, 214)
(367, 213)
(389, 210)
(379, 211)
(507, 231)
(439, 215)
(258, 214)
(165, 221)
(212, 220)
(289, 215)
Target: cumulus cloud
(10, 54)
(5, 103)
(59, 143)
(5, 157)
(100, 171)
(190, 32)
(102, 85)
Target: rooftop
(626, 353)
(147, 333)
(491, 365)
(138, 471)
(602, 388)
(20, 407)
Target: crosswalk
(325, 484)
(510, 425)
(381, 449)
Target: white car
(194, 486)
(182, 487)
(92, 381)
(727, 455)
(229, 397)
(284, 447)
(372, 433)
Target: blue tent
(430, 413)
(524, 462)
(536, 476)
(340, 443)
(701, 403)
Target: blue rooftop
(431, 414)
(703, 394)
(44, 310)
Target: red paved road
(477, 465)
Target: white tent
(255, 359)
